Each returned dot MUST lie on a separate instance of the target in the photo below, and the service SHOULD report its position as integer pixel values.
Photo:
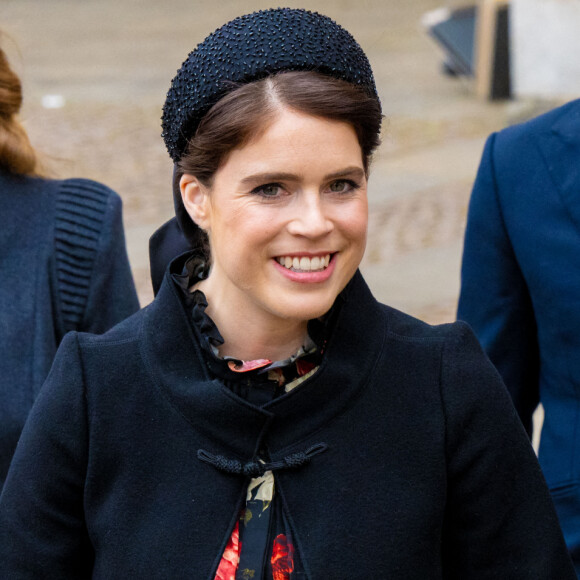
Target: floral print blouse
(261, 546)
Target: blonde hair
(16, 153)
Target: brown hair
(16, 152)
(247, 110)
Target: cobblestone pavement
(112, 61)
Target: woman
(62, 259)
(265, 417)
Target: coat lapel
(560, 148)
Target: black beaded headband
(252, 47)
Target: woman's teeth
(304, 264)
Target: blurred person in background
(265, 417)
(63, 265)
(520, 287)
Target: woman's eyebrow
(355, 172)
(266, 177)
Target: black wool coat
(426, 471)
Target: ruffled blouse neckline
(258, 380)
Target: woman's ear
(195, 197)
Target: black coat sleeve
(494, 297)
(42, 525)
(500, 521)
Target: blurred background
(95, 75)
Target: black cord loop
(255, 468)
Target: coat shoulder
(128, 330)
(407, 327)
(521, 132)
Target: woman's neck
(251, 335)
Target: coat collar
(234, 426)
(560, 148)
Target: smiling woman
(265, 417)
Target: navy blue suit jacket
(521, 286)
(63, 267)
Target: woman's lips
(306, 269)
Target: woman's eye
(342, 186)
(268, 190)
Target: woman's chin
(305, 309)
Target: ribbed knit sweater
(63, 266)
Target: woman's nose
(310, 218)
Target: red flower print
(248, 365)
(303, 367)
(231, 557)
(282, 558)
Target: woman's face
(287, 219)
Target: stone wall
(545, 48)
